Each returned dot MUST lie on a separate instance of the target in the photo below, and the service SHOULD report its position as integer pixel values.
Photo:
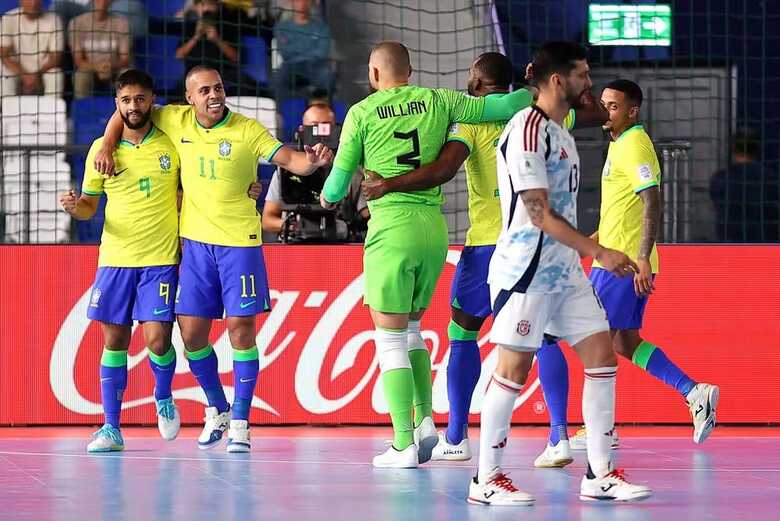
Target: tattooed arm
(651, 219)
(556, 226)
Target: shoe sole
(614, 446)
(557, 464)
(450, 458)
(394, 466)
(234, 448)
(709, 426)
(474, 501)
(621, 500)
(108, 449)
(425, 448)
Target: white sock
(494, 423)
(414, 338)
(391, 348)
(598, 412)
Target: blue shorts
(121, 295)
(470, 291)
(625, 309)
(217, 281)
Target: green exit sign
(645, 24)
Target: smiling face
(134, 104)
(206, 93)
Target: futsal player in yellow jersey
(139, 255)
(629, 220)
(222, 268)
(490, 74)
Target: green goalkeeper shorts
(405, 251)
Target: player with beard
(139, 255)
(222, 267)
(538, 286)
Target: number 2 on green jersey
(410, 158)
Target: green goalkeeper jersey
(394, 131)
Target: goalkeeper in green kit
(399, 128)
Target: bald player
(475, 144)
(397, 129)
(222, 269)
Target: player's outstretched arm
(434, 174)
(462, 108)
(556, 226)
(303, 163)
(83, 208)
(104, 158)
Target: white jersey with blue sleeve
(535, 152)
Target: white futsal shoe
(106, 439)
(426, 439)
(702, 402)
(238, 436)
(612, 487)
(580, 441)
(168, 419)
(397, 459)
(445, 451)
(214, 430)
(554, 456)
(498, 490)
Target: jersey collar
(638, 126)
(221, 123)
(147, 137)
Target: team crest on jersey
(165, 162)
(224, 148)
(93, 301)
(523, 327)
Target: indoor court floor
(324, 473)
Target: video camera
(306, 220)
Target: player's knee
(392, 350)
(514, 365)
(242, 337)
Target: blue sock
(554, 375)
(163, 367)
(113, 382)
(463, 370)
(653, 360)
(203, 364)
(245, 368)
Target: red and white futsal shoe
(498, 490)
(612, 487)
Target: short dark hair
(196, 69)
(557, 58)
(495, 68)
(134, 77)
(632, 91)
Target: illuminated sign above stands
(646, 24)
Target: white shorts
(522, 321)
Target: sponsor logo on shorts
(523, 327)
(93, 302)
(158, 311)
(245, 305)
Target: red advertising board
(716, 312)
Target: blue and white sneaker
(238, 436)
(107, 439)
(214, 430)
(168, 419)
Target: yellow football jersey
(631, 166)
(484, 206)
(217, 166)
(141, 226)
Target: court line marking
(26, 472)
(342, 463)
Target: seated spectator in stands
(211, 40)
(745, 194)
(100, 43)
(31, 46)
(274, 217)
(261, 9)
(133, 11)
(303, 41)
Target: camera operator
(291, 209)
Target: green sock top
(164, 359)
(642, 354)
(246, 355)
(199, 354)
(111, 358)
(456, 332)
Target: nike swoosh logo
(245, 305)
(245, 380)
(105, 379)
(119, 172)
(185, 140)
(160, 311)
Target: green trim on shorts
(457, 332)
(111, 358)
(245, 355)
(642, 354)
(456, 304)
(165, 359)
(199, 354)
